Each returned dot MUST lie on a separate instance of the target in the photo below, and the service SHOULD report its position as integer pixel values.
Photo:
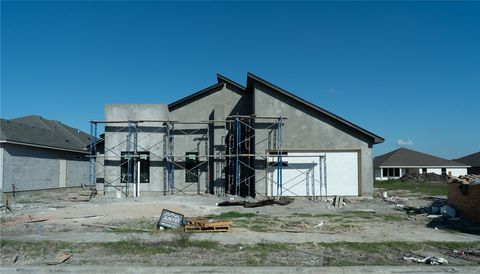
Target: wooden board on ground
(207, 225)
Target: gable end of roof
(251, 78)
(199, 94)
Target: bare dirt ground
(107, 231)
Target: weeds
(234, 215)
(424, 188)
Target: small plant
(182, 238)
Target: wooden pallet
(206, 225)
(193, 228)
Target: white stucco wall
(457, 171)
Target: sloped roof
(471, 160)
(36, 130)
(252, 78)
(221, 80)
(404, 157)
(197, 95)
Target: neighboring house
(473, 160)
(397, 163)
(36, 153)
(248, 140)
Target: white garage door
(314, 174)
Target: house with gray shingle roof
(37, 153)
(399, 162)
(473, 160)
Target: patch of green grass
(209, 264)
(456, 245)
(393, 217)
(304, 215)
(38, 248)
(136, 247)
(259, 228)
(270, 247)
(308, 215)
(234, 215)
(204, 244)
(430, 189)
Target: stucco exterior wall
(306, 129)
(150, 138)
(32, 168)
(228, 100)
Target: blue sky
(407, 71)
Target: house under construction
(231, 139)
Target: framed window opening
(144, 159)
(191, 167)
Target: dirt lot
(108, 231)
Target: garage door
(314, 174)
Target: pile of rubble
(465, 179)
(425, 177)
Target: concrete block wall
(466, 205)
(33, 168)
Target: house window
(424, 170)
(144, 158)
(444, 171)
(391, 172)
(191, 167)
(396, 172)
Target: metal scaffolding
(241, 159)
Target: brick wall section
(467, 206)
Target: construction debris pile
(464, 195)
(435, 178)
(425, 177)
(282, 201)
(427, 260)
(465, 179)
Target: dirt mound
(425, 177)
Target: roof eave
(223, 79)
(43, 146)
(194, 96)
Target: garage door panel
(342, 173)
(315, 174)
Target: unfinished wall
(466, 204)
(32, 168)
(150, 138)
(307, 129)
(218, 105)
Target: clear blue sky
(409, 72)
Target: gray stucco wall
(218, 105)
(32, 168)
(307, 129)
(150, 138)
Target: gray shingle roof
(404, 157)
(36, 130)
(471, 160)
